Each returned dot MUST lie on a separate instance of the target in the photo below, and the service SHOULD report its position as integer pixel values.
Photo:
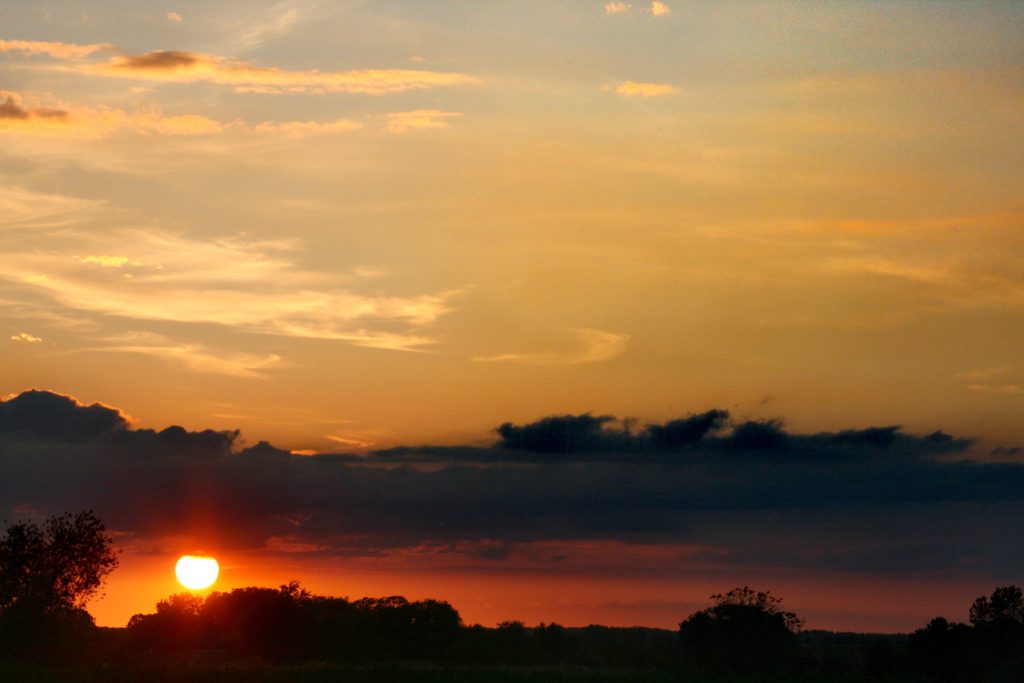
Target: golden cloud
(252, 286)
(634, 89)
(192, 356)
(20, 118)
(11, 108)
(109, 261)
(189, 67)
(595, 346)
(419, 119)
(58, 50)
(300, 128)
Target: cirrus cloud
(635, 89)
(594, 346)
(53, 49)
(179, 66)
(234, 281)
(419, 119)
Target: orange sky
(826, 600)
(352, 226)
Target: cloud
(26, 337)
(996, 388)
(94, 123)
(46, 415)
(193, 356)
(585, 437)
(563, 434)
(276, 21)
(420, 119)
(21, 208)
(175, 17)
(302, 128)
(847, 500)
(659, 9)
(58, 50)
(109, 261)
(151, 276)
(12, 110)
(19, 118)
(634, 89)
(178, 66)
(617, 7)
(596, 346)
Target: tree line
(48, 572)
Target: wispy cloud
(21, 207)
(659, 9)
(110, 261)
(57, 50)
(178, 66)
(175, 17)
(419, 119)
(634, 89)
(996, 388)
(594, 346)
(301, 128)
(26, 337)
(193, 356)
(617, 7)
(21, 117)
(986, 373)
(251, 285)
(903, 269)
(276, 21)
(993, 380)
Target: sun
(196, 572)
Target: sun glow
(196, 572)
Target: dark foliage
(289, 623)
(746, 632)
(47, 575)
(991, 648)
(941, 650)
(58, 566)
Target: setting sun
(196, 572)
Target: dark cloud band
(875, 498)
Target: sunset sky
(362, 228)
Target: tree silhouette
(1004, 608)
(745, 632)
(55, 567)
(47, 575)
(941, 650)
(998, 623)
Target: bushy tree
(1004, 608)
(998, 623)
(56, 567)
(942, 650)
(48, 573)
(744, 632)
(291, 623)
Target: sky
(281, 271)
